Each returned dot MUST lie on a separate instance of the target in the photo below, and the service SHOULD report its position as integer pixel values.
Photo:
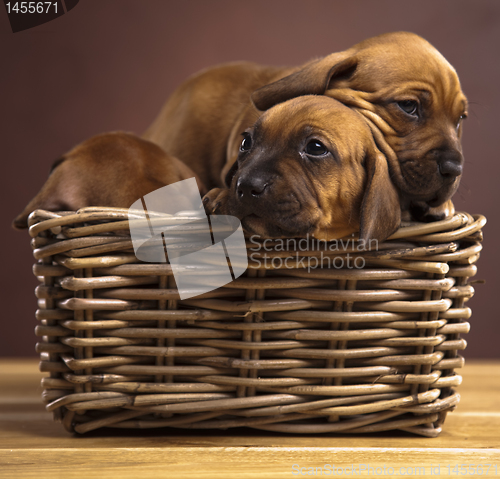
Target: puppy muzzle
(450, 164)
(250, 189)
(265, 207)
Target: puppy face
(310, 166)
(411, 97)
(418, 105)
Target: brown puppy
(406, 89)
(113, 169)
(310, 166)
(408, 92)
(412, 97)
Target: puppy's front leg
(216, 201)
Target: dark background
(110, 64)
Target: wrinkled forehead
(291, 124)
(404, 61)
(310, 112)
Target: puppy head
(409, 92)
(310, 166)
(112, 169)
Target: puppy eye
(316, 148)
(409, 106)
(461, 118)
(246, 144)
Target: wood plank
(33, 445)
(240, 462)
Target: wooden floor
(33, 446)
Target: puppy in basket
(310, 166)
(408, 94)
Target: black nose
(251, 186)
(450, 164)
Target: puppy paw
(426, 214)
(215, 201)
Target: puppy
(406, 90)
(412, 98)
(402, 85)
(112, 169)
(310, 166)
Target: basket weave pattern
(288, 349)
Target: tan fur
(198, 130)
(372, 77)
(112, 169)
(328, 197)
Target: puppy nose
(247, 187)
(450, 164)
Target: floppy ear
(229, 174)
(313, 79)
(381, 207)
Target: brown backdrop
(109, 64)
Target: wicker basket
(286, 347)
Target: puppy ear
(381, 208)
(313, 79)
(229, 175)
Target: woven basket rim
(41, 220)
